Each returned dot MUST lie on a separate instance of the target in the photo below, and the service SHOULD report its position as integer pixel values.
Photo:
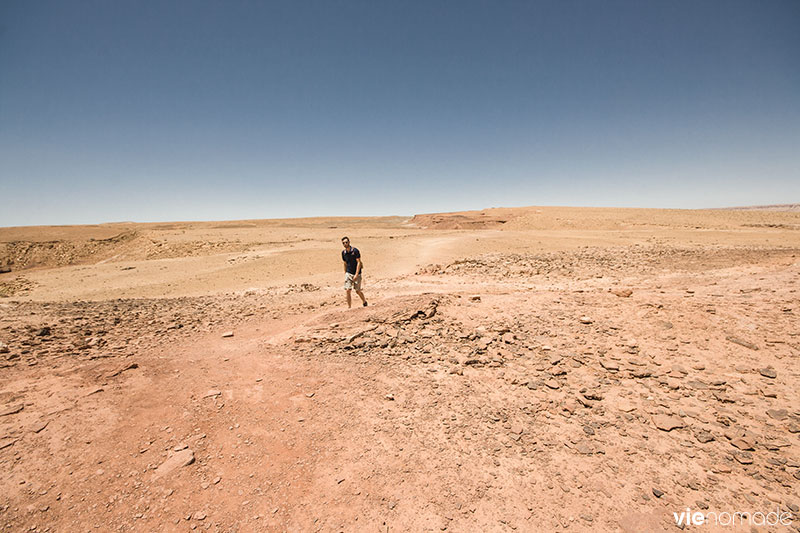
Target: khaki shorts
(352, 283)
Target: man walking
(351, 258)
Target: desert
(517, 369)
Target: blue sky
(194, 110)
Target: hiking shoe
(365, 304)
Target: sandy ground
(531, 369)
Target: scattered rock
(14, 409)
(39, 426)
(657, 493)
(667, 422)
(585, 320)
(744, 458)
(703, 436)
(122, 369)
(584, 448)
(552, 384)
(742, 444)
(741, 342)
(768, 372)
(180, 459)
(212, 393)
(227, 334)
(611, 366)
(622, 293)
(778, 414)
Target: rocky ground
(601, 388)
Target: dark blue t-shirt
(350, 258)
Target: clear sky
(195, 110)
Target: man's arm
(358, 267)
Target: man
(351, 258)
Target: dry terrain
(525, 369)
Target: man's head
(346, 242)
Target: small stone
(180, 459)
(611, 366)
(622, 293)
(584, 448)
(768, 372)
(744, 458)
(217, 480)
(703, 436)
(475, 298)
(778, 414)
(667, 423)
(227, 334)
(39, 426)
(585, 320)
(389, 397)
(212, 393)
(199, 515)
(741, 342)
(12, 410)
(552, 384)
(742, 444)
(657, 493)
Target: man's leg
(357, 287)
(349, 298)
